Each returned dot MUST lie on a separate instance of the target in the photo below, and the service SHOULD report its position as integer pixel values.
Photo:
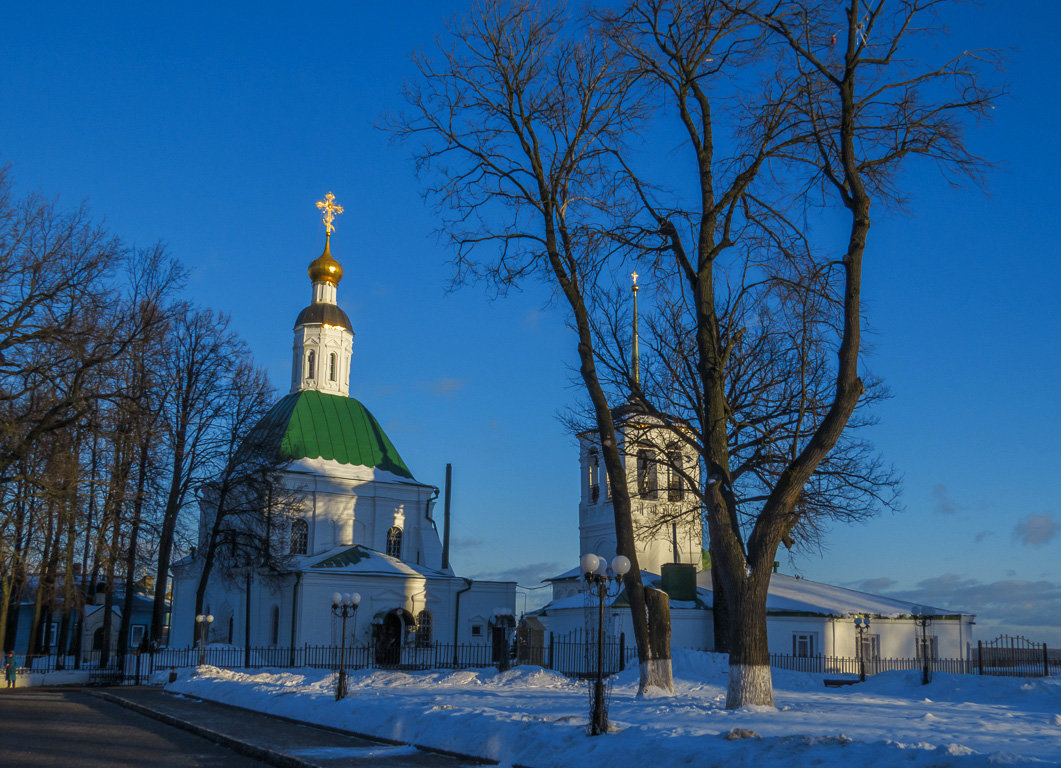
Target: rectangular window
(675, 481)
(593, 463)
(646, 474)
(928, 644)
(477, 630)
(803, 644)
(870, 646)
(136, 635)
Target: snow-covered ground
(534, 717)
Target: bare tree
(61, 318)
(534, 138)
(759, 336)
(247, 499)
(200, 361)
(520, 117)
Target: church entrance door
(389, 640)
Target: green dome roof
(315, 425)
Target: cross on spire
(331, 210)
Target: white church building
(365, 525)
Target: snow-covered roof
(619, 600)
(791, 595)
(362, 560)
(787, 595)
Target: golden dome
(324, 267)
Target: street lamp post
(921, 620)
(598, 578)
(344, 606)
(203, 623)
(861, 626)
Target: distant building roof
(787, 595)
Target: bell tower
(659, 469)
(324, 339)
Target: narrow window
(594, 475)
(675, 481)
(927, 647)
(423, 629)
(803, 644)
(332, 366)
(311, 364)
(394, 542)
(646, 474)
(299, 537)
(276, 624)
(870, 647)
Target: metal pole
(340, 688)
(924, 651)
(599, 716)
(861, 656)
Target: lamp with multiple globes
(344, 606)
(202, 625)
(599, 577)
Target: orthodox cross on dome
(331, 210)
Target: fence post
(1046, 661)
(551, 651)
(980, 656)
(622, 651)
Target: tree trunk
(174, 502)
(719, 606)
(130, 558)
(750, 681)
(659, 664)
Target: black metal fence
(1006, 655)
(574, 654)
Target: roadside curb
(272, 757)
(264, 754)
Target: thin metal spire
(636, 361)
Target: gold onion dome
(324, 267)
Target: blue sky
(214, 129)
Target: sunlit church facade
(364, 525)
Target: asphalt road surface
(66, 728)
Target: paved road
(306, 743)
(67, 728)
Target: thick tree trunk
(750, 681)
(659, 670)
(719, 606)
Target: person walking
(10, 669)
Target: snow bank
(535, 717)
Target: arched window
(423, 629)
(299, 537)
(333, 366)
(646, 474)
(594, 475)
(311, 364)
(394, 542)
